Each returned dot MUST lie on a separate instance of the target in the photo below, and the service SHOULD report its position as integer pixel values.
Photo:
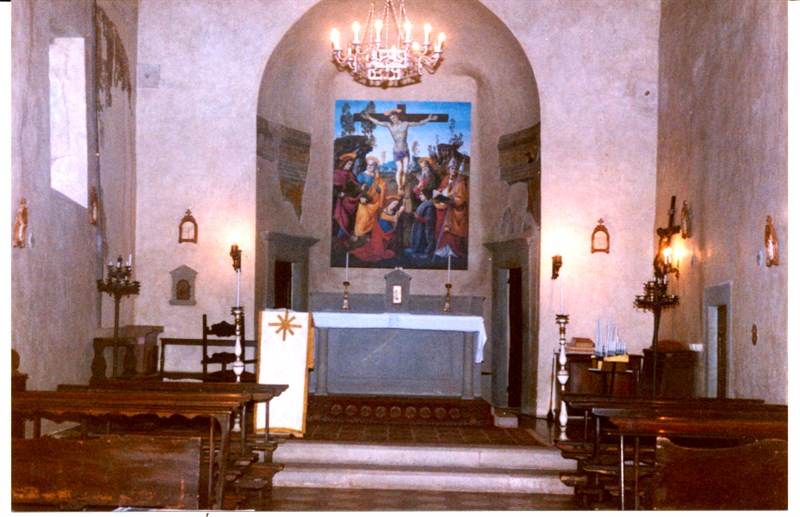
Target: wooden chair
(222, 334)
(746, 477)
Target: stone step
(467, 456)
(321, 475)
(454, 468)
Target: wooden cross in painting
(401, 112)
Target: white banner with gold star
(286, 352)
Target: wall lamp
(557, 262)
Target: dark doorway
(515, 317)
(283, 285)
(722, 351)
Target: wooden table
(77, 405)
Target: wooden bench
(602, 457)
(78, 406)
(753, 476)
(107, 472)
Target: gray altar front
(435, 359)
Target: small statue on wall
(20, 225)
(771, 244)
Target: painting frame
(400, 185)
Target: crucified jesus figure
(399, 129)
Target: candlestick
(447, 307)
(448, 267)
(346, 296)
(563, 374)
(335, 39)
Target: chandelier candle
(387, 55)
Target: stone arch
(488, 68)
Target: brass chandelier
(385, 55)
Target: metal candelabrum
(563, 373)
(655, 299)
(118, 284)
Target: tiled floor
(441, 435)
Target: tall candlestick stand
(346, 296)
(118, 284)
(447, 307)
(238, 365)
(655, 297)
(563, 373)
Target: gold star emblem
(285, 324)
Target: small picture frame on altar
(397, 294)
(187, 230)
(600, 238)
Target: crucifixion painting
(400, 194)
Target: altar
(422, 351)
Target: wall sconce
(557, 262)
(236, 255)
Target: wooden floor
(315, 499)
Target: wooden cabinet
(675, 373)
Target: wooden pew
(242, 472)
(107, 472)
(707, 418)
(744, 425)
(80, 405)
(753, 476)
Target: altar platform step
(453, 468)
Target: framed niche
(183, 286)
(187, 229)
(601, 243)
(396, 297)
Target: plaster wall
(595, 67)
(723, 148)
(56, 308)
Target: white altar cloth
(402, 320)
